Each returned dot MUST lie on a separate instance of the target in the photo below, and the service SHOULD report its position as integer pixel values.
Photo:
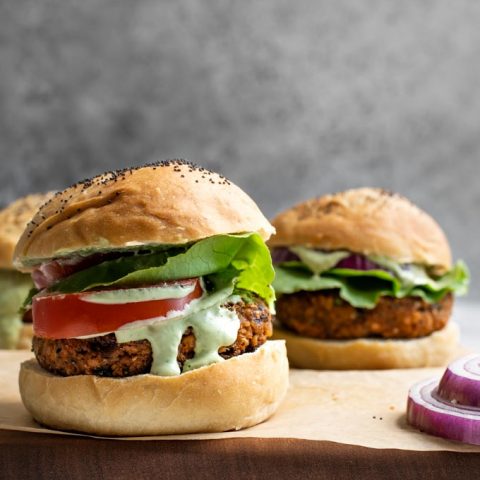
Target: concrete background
(287, 99)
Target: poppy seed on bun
(170, 202)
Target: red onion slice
(49, 273)
(358, 262)
(283, 254)
(429, 413)
(460, 383)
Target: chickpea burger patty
(325, 315)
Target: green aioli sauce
(14, 287)
(214, 326)
(316, 261)
(133, 295)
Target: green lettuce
(363, 288)
(243, 260)
(13, 288)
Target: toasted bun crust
(367, 221)
(434, 350)
(13, 220)
(164, 203)
(230, 395)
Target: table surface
(38, 456)
(28, 455)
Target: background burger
(151, 311)
(364, 279)
(14, 286)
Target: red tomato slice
(68, 315)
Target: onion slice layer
(460, 383)
(449, 408)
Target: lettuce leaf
(362, 289)
(243, 259)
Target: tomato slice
(71, 315)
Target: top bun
(369, 221)
(13, 220)
(170, 202)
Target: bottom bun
(230, 395)
(434, 350)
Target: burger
(151, 312)
(364, 280)
(15, 332)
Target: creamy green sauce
(410, 276)
(319, 262)
(214, 326)
(133, 295)
(316, 261)
(14, 287)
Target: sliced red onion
(460, 383)
(429, 414)
(355, 261)
(358, 262)
(438, 411)
(283, 254)
(49, 273)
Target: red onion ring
(449, 409)
(429, 414)
(460, 383)
(358, 262)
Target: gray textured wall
(288, 99)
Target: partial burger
(152, 306)
(15, 332)
(364, 280)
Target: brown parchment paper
(365, 408)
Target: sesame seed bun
(13, 220)
(171, 202)
(369, 221)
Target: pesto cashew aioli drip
(134, 295)
(317, 261)
(362, 288)
(214, 326)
